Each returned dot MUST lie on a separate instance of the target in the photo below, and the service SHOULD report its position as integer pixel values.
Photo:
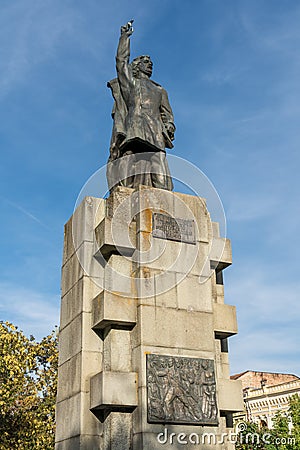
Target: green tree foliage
(251, 438)
(28, 381)
(279, 432)
(295, 416)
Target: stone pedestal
(144, 327)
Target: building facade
(266, 394)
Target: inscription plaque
(167, 227)
(181, 390)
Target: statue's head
(205, 364)
(142, 64)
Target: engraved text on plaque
(167, 227)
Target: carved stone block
(167, 227)
(113, 391)
(181, 390)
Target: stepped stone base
(144, 327)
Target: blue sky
(232, 71)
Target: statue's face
(170, 363)
(146, 66)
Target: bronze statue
(143, 124)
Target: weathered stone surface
(230, 395)
(78, 299)
(222, 361)
(144, 285)
(68, 249)
(220, 252)
(166, 290)
(81, 263)
(118, 202)
(193, 295)
(86, 218)
(113, 310)
(70, 339)
(117, 431)
(225, 365)
(83, 442)
(76, 336)
(113, 390)
(67, 411)
(215, 229)
(225, 323)
(172, 256)
(218, 293)
(90, 341)
(117, 354)
(69, 378)
(88, 422)
(72, 443)
(72, 272)
(92, 363)
(114, 236)
(80, 227)
(146, 201)
(175, 328)
(88, 442)
(194, 207)
(118, 276)
(155, 287)
(144, 243)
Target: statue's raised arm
(122, 60)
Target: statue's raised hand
(127, 29)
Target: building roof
(255, 379)
(257, 372)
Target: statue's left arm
(167, 117)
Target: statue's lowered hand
(127, 29)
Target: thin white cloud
(222, 75)
(27, 213)
(272, 351)
(268, 310)
(34, 32)
(250, 206)
(30, 33)
(264, 296)
(34, 312)
(278, 32)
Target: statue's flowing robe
(141, 111)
